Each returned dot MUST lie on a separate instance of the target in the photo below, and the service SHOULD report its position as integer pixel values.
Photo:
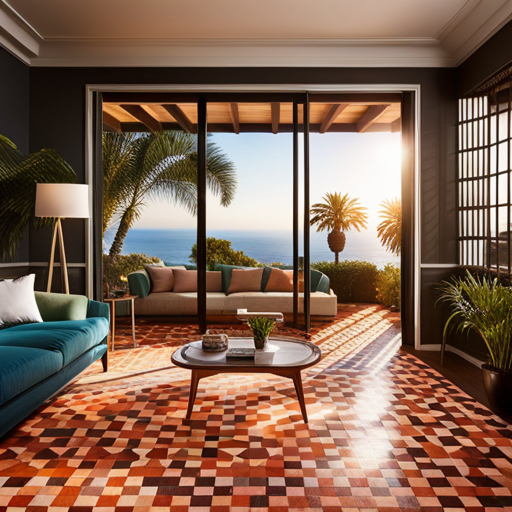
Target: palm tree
(390, 229)
(338, 214)
(158, 165)
(19, 175)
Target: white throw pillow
(17, 302)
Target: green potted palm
(261, 328)
(484, 306)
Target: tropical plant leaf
(19, 175)
(161, 165)
(390, 229)
(338, 213)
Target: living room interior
(375, 421)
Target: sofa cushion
(21, 368)
(68, 338)
(226, 274)
(213, 281)
(185, 281)
(161, 279)
(245, 280)
(17, 302)
(280, 281)
(139, 283)
(60, 306)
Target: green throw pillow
(55, 307)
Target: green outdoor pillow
(55, 307)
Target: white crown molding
(244, 52)
(477, 27)
(468, 29)
(17, 36)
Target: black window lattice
(485, 180)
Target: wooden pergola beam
(276, 116)
(181, 118)
(370, 116)
(110, 121)
(147, 119)
(331, 116)
(235, 117)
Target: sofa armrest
(138, 282)
(59, 306)
(98, 309)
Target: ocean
(174, 245)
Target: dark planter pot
(498, 387)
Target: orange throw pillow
(245, 280)
(280, 281)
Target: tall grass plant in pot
(484, 306)
(261, 328)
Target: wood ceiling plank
(144, 117)
(275, 116)
(180, 117)
(331, 116)
(235, 117)
(370, 116)
(112, 122)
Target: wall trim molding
(15, 265)
(439, 265)
(467, 357)
(436, 347)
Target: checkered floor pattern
(386, 433)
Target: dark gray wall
(14, 122)
(57, 119)
(495, 54)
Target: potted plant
(261, 328)
(484, 306)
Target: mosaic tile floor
(386, 433)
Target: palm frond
(338, 213)
(390, 229)
(19, 175)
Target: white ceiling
(248, 33)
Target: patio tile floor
(386, 433)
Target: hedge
(351, 281)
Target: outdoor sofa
(178, 296)
(38, 359)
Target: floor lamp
(61, 200)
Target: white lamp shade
(67, 200)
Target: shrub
(220, 251)
(115, 269)
(351, 281)
(388, 286)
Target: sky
(366, 166)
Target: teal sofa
(39, 359)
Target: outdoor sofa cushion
(21, 368)
(70, 339)
(280, 281)
(245, 280)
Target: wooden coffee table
(286, 358)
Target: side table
(112, 301)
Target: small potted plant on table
(484, 306)
(261, 328)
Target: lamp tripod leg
(63, 264)
(52, 257)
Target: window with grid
(485, 177)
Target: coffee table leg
(194, 381)
(297, 380)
